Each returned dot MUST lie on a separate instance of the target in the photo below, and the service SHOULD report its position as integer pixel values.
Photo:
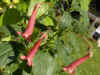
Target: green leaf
(84, 14)
(6, 52)
(11, 16)
(66, 21)
(84, 4)
(42, 10)
(47, 21)
(5, 73)
(1, 20)
(7, 1)
(4, 32)
(9, 31)
(10, 69)
(6, 38)
(16, 1)
(75, 5)
(22, 6)
(44, 64)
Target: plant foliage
(66, 22)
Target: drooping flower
(31, 23)
(33, 50)
(30, 27)
(71, 67)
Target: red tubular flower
(71, 68)
(33, 51)
(30, 27)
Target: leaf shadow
(11, 16)
(16, 48)
(23, 67)
(11, 30)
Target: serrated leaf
(84, 14)
(4, 31)
(6, 38)
(42, 10)
(47, 21)
(6, 51)
(75, 5)
(66, 21)
(44, 64)
(11, 68)
(22, 6)
(5, 73)
(25, 73)
(8, 31)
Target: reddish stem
(71, 68)
(33, 51)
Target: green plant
(66, 23)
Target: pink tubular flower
(33, 51)
(71, 68)
(30, 27)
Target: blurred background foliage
(67, 24)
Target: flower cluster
(28, 32)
